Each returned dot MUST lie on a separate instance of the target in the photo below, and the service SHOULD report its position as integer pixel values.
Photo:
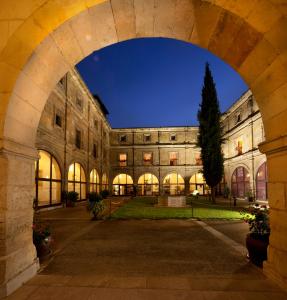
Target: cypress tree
(210, 133)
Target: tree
(210, 133)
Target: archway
(173, 184)
(148, 185)
(261, 182)
(122, 185)
(249, 37)
(240, 182)
(77, 180)
(197, 182)
(94, 181)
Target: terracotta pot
(256, 245)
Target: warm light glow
(123, 179)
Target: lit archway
(122, 185)
(148, 185)
(197, 182)
(48, 180)
(77, 180)
(173, 184)
(105, 182)
(94, 181)
(261, 182)
(251, 38)
(240, 182)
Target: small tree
(210, 133)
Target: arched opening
(94, 181)
(197, 182)
(48, 180)
(240, 182)
(173, 184)
(148, 185)
(77, 180)
(223, 28)
(105, 182)
(123, 185)
(261, 182)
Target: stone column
(276, 265)
(18, 262)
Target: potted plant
(249, 196)
(95, 204)
(72, 198)
(104, 194)
(42, 239)
(257, 216)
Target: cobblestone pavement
(148, 259)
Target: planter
(44, 247)
(257, 248)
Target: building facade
(79, 151)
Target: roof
(102, 105)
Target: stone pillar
(276, 265)
(18, 262)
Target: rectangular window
(58, 120)
(173, 158)
(147, 158)
(239, 147)
(147, 137)
(79, 103)
(95, 124)
(173, 137)
(78, 139)
(238, 118)
(123, 160)
(123, 138)
(95, 151)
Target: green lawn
(144, 208)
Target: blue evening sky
(156, 82)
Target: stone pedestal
(18, 262)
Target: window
(261, 182)
(105, 182)
(147, 137)
(58, 120)
(238, 118)
(95, 123)
(147, 158)
(173, 156)
(198, 160)
(173, 137)
(239, 147)
(78, 140)
(95, 150)
(79, 103)
(122, 185)
(123, 160)
(48, 180)
(173, 184)
(94, 181)
(197, 182)
(77, 180)
(123, 138)
(62, 81)
(148, 185)
(240, 182)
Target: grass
(144, 208)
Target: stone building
(79, 151)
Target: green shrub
(95, 204)
(104, 194)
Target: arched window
(173, 184)
(94, 181)
(261, 182)
(48, 180)
(105, 182)
(197, 182)
(122, 185)
(148, 185)
(240, 182)
(77, 180)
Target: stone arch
(251, 38)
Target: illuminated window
(94, 181)
(123, 160)
(197, 182)
(173, 184)
(78, 140)
(147, 158)
(148, 185)
(77, 180)
(105, 182)
(173, 157)
(261, 182)
(173, 137)
(240, 182)
(147, 137)
(198, 160)
(239, 147)
(122, 185)
(48, 180)
(123, 138)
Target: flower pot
(44, 247)
(256, 245)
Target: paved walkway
(149, 259)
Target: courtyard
(146, 259)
